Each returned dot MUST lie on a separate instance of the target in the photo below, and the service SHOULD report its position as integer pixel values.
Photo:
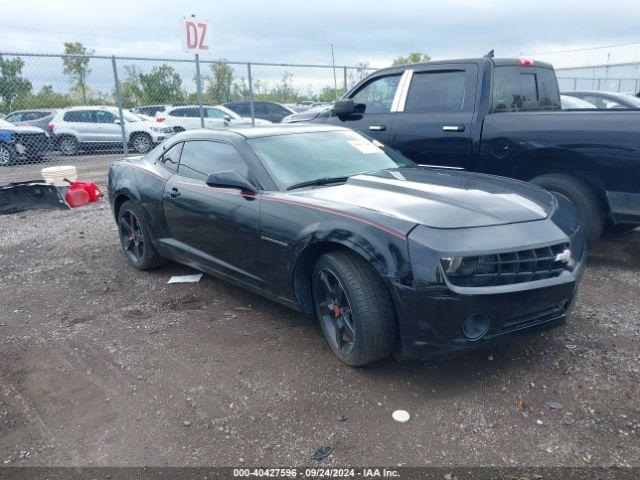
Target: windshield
(301, 157)
(5, 124)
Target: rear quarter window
(518, 89)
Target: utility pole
(335, 79)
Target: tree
(329, 94)
(131, 87)
(284, 91)
(219, 84)
(47, 98)
(13, 86)
(161, 85)
(414, 57)
(77, 68)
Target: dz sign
(195, 34)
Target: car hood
(440, 198)
(23, 129)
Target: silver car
(37, 117)
(81, 128)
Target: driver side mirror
(117, 121)
(230, 179)
(346, 107)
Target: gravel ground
(104, 365)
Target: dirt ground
(104, 365)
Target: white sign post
(194, 39)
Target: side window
(437, 92)
(103, 116)
(378, 94)
(201, 158)
(171, 158)
(520, 89)
(15, 117)
(214, 113)
(81, 116)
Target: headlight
(460, 266)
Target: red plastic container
(91, 188)
(77, 197)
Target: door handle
(453, 128)
(377, 128)
(173, 193)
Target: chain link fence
(67, 109)
(619, 85)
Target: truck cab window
(436, 92)
(518, 89)
(378, 94)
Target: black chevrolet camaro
(387, 255)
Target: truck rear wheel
(582, 196)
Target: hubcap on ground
(132, 236)
(335, 311)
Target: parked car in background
(307, 115)
(607, 100)
(32, 118)
(503, 117)
(187, 117)
(150, 110)
(574, 103)
(80, 128)
(270, 111)
(20, 142)
(386, 254)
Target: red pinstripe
(281, 200)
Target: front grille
(534, 318)
(510, 267)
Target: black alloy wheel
(334, 310)
(131, 236)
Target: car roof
(90, 107)
(258, 131)
(593, 92)
(498, 62)
(51, 110)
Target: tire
(141, 142)
(68, 145)
(366, 311)
(7, 155)
(135, 238)
(582, 196)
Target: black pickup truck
(503, 117)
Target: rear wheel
(582, 196)
(7, 154)
(141, 142)
(135, 238)
(68, 145)
(354, 308)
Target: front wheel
(7, 154)
(354, 308)
(135, 238)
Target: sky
(362, 31)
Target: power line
(584, 49)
